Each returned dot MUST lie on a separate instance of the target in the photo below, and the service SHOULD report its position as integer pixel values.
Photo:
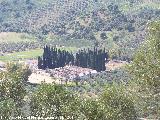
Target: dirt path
(38, 78)
(112, 65)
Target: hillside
(118, 25)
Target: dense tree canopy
(54, 58)
(55, 101)
(12, 90)
(145, 69)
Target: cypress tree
(54, 58)
(40, 62)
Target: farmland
(30, 54)
(10, 37)
(21, 55)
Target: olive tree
(54, 101)
(117, 105)
(12, 89)
(145, 70)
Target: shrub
(91, 110)
(118, 106)
(146, 72)
(7, 109)
(12, 90)
(53, 101)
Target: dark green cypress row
(54, 58)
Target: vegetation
(27, 54)
(30, 54)
(18, 47)
(95, 59)
(58, 103)
(54, 58)
(143, 89)
(10, 37)
(121, 27)
(53, 101)
(118, 105)
(145, 69)
(48, 100)
(12, 90)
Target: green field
(21, 55)
(28, 54)
(13, 37)
(10, 37)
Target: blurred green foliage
(12, 90)
(145, 69)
